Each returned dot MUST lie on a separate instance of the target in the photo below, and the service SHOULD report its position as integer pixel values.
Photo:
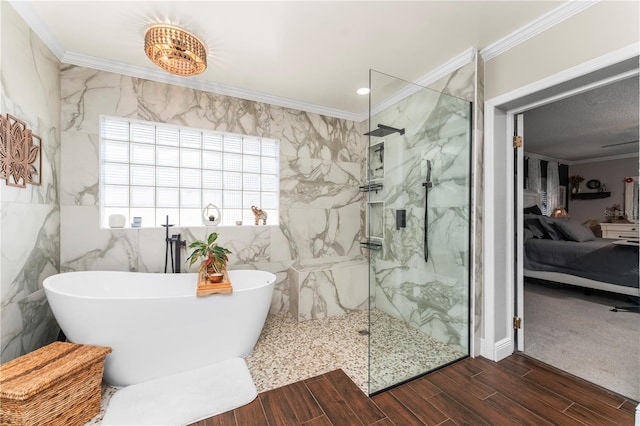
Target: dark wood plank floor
(515, 391)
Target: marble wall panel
(79, 159)
(281, 247)
(30, 236)
(324, 233)
(30, 248)
(87, 247)
(320, 290)
(320, 171)
(27, 324)
(432, 296)
(280, 300)
(319, 183)
(478, 200)
(87, 93)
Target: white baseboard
(500, 350)
(504, 348)
(486, 351)
(638, 415)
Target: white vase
(117, 221)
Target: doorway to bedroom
(566, 314)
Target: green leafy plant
(215, 257)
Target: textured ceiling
(578, 128)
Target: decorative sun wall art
(20, 152)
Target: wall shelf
(371, 187)
(590, 195)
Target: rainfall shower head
(383, 130)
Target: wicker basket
(58, 384)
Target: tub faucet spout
(177, 244)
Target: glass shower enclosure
(417, 229)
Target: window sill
(128, 228)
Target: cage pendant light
(175, 50)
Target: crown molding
(38, 26)
(443, 70)
(609, 158)
(195, 83)
(161, 76)
(585, 161)
(535, 27)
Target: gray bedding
(596, 260)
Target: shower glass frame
(390, 104)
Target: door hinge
(517, 322)
(517, 141)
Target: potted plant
(215, 257)
(575, 183)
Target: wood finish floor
(515, 391)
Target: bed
(564, 251)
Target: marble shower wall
(477, 228)
(30, 217)
(433, 296)
(320, 170)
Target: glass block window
(154, 170)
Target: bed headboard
(531, 198)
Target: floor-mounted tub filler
(155, 324)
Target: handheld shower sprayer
(427, 184)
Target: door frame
(497, 341)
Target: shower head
(383, 130)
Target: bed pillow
(533, 225)
(528, 234)
(573, 231)
(549, 226)
(532, 210)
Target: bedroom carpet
(579, 334)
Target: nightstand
(620, 230)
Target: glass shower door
(418, 226)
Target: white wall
(612, 173)
(561, 53)
(602, 28)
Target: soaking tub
(154, 323)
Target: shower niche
(375, 219)
(376, 161)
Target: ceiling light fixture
(175, 50)
(363, 91)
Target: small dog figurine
(259, 214)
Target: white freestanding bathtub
(154, 323)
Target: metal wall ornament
(21, 159)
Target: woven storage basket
(58, 384)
